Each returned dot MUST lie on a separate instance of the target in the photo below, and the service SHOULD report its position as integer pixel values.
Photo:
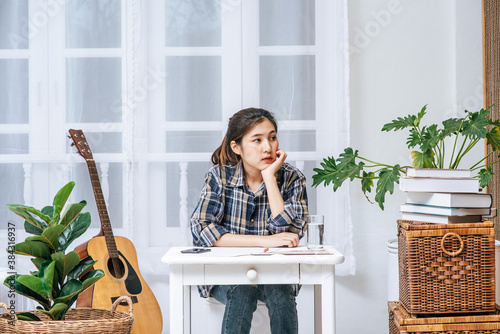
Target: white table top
(248, 255)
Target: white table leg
(176, 300)
(328, 300)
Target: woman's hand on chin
(271, 170)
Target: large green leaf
(71, 212)
(451, 126)
(60, 200)
(430, 138)
(422, 159)
(326, 174)
(49, 237)
(75, 229)
(493, 139)
(337, 173)
(38, 262)
(32, 248)
(347, 167)
(65, 263)
(31, 215)
(475, 125)
(414, 138)
(32, 229)
(400, 123)
(388, 177)
(57, 311)
(69, 290)
(27, 316)
(35, 285)
(11, 282)
(367, 181)
(91, 277)
(84, 265)
(46, 275)
(485, 177)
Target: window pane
(193, 91)
(12, 193)
(14, 92)
(101, 142)
(193, 23)
(14, 24)
(93, 90)
(297, 140)
(93, 24)
(286, 22)
(308, 171)
(14, 144)
(196, 172)
(288, 86)
(192, 141)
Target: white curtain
(152, 84)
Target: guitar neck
(102, 210)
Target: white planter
(392, 270)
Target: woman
(252, 198)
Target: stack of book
(443, 196)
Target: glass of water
(315, 231)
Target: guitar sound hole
(116, 267)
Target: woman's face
(258, 147)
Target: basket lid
(418, 225)
(403, 318)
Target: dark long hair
(239, 124)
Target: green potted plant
(59, 277)
(431, 146)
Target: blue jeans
(241, 303)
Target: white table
(234, 265)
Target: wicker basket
(446, 268)
(400, 321)
(77, 321)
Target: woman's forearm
(284, 239)
(275, 199)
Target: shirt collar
(238, 178)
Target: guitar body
(147, 313)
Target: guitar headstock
(81, 143)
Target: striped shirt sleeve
(206, 220)
(293, 217)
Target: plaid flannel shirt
(235, 209)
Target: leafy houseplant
(60, 277)
(430, 143)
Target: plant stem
(471, 144)
(459, 154)
(456, 140)
(477, 163)
(374, 162)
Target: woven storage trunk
(77, 321)
(446, 268)
(401, 322)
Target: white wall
(405, 54)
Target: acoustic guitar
(117, 257)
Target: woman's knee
(280, 294)
(241, 293)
